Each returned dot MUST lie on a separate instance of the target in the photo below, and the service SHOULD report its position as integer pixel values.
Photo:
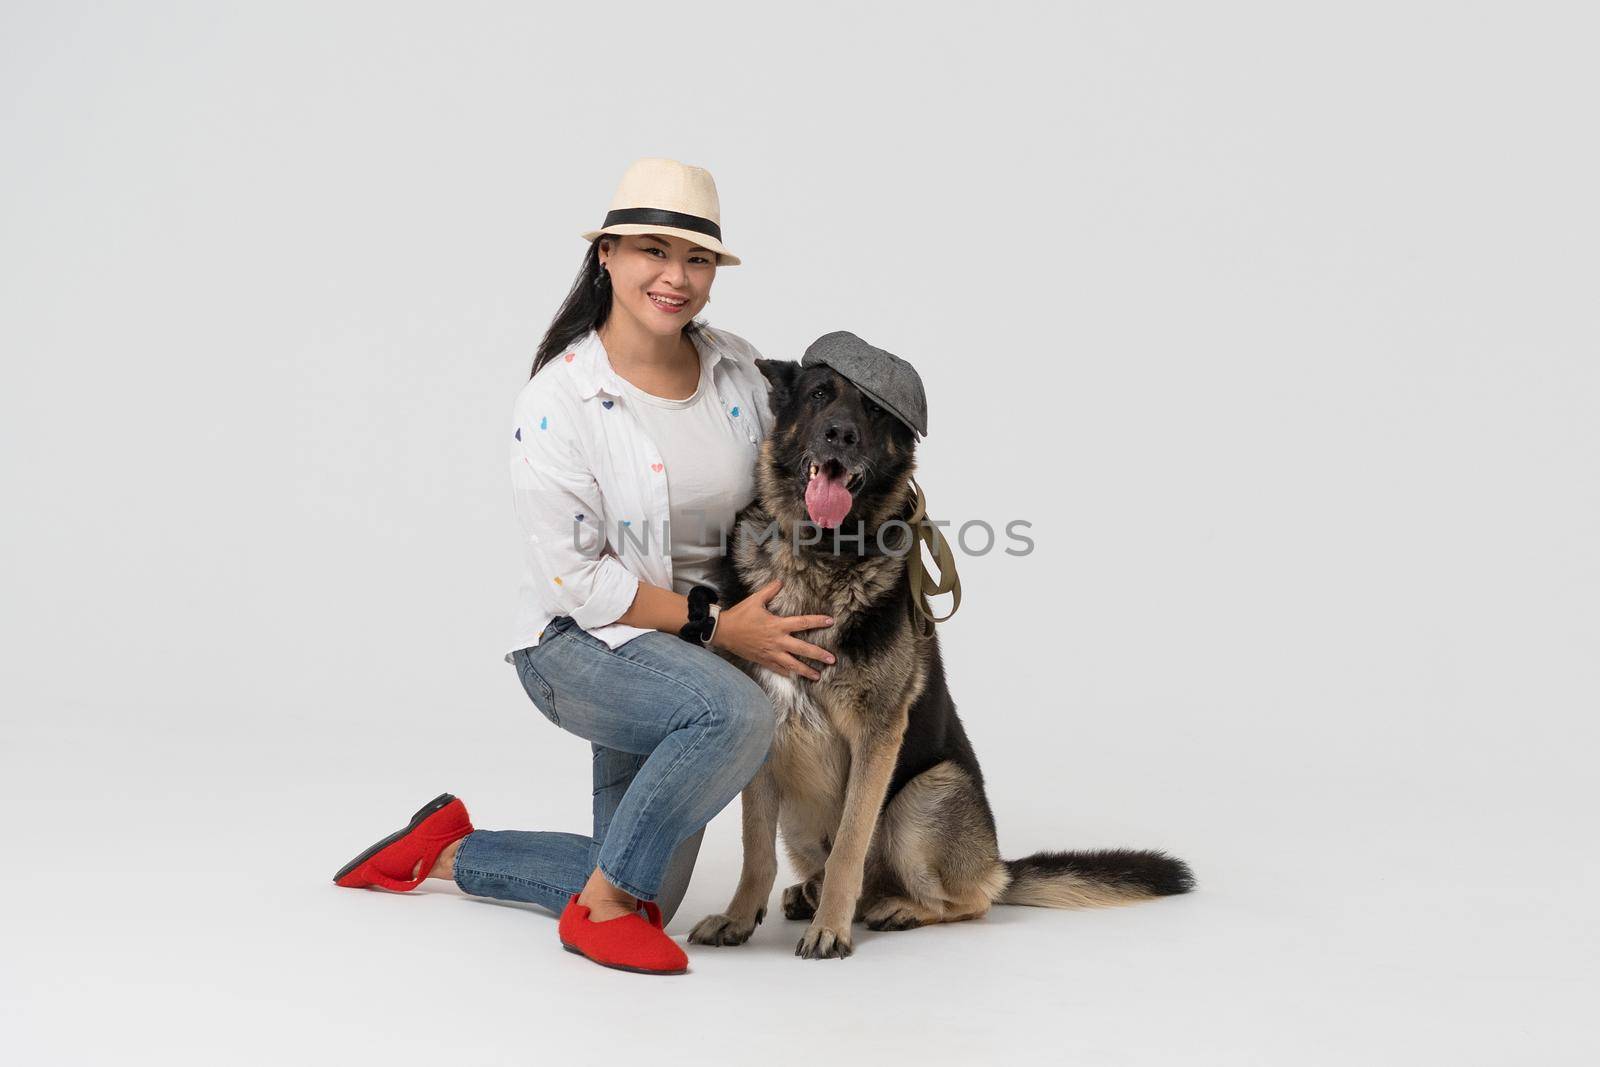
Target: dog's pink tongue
(827, 500)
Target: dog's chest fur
(818, 587)
(793, 702)
(878, 668)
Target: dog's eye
(819, 393)
(872, 409)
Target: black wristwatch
(703, 612)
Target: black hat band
(654, 216)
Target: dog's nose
(841, 433)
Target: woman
(633, 446)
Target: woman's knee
(746, 711)
(758, 723)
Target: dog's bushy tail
(1094, 879)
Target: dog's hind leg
(937, 840)
(900, 913)
(808, 847)
(800, 899)
(759, 810)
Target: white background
(1276, 321)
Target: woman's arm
(658, 609)
(561, 514)
(747, 629)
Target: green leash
(925, 532)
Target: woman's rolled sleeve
(552, 486)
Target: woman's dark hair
(586, 307)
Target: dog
(871, 776)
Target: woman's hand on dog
(752, 632)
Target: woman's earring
(601, 278)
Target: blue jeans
(677, 732)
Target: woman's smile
(672, 305)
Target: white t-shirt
(708, 470)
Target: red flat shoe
(390, 862)
(628, 943)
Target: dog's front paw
(723, 930)
(824, 943)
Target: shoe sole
(440, 801)
(619, 966)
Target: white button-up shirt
(586, 477)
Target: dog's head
(834, 456)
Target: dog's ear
(780, 375)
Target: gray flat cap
(889, 380)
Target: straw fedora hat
(665, 196)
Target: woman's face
(660, 280)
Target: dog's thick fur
(871, 776)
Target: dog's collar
(865, 545)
